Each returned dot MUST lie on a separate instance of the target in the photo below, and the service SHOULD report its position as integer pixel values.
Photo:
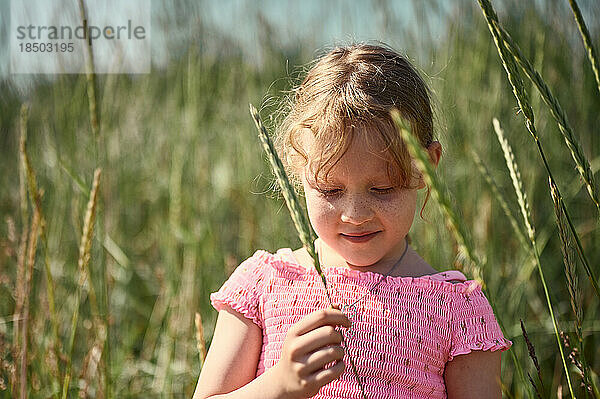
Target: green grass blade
(509, 63)
(440, 193)
(575, 295)
(302, 226)
(501, 199)
(455, 224)
(581, 162)
(587, 41)
(515, 176)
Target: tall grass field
(125, 200)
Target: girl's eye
(385, 190)
(329, 193)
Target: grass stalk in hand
(302, 225)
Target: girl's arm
(232, 358)
(474, 375)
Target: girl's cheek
(393, 208)
(317, 205)
(324, 208)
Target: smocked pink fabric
(402, 334)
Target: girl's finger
(322, 317)
(319, 359)
(324, 377)
(316, 339)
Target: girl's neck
(411, 265)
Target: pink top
(402, 333)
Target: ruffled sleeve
(473, 325)
(244, 289)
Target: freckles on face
(359, 198)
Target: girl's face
(359, 212)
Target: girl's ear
(435, 152)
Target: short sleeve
(473, 325)
(243, 290)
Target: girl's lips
(361, 238)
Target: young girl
(410, 331)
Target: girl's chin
(356, 255)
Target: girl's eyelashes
(385, 190)
(337, 191)
(329, 192)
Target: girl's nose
(356, 211)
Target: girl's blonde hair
(352, 89)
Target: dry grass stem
(35, 196)
(23, 199)
(91, 79)
(84, 258)
(32, 187)
(89, 369)
(102, 326)
(200, 343)
(576, 359)
(24, 205)
(19, 297)
(31, 251)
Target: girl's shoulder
(262, 265)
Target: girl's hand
(309, 345)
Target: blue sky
(315, 22)
(318, 22)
